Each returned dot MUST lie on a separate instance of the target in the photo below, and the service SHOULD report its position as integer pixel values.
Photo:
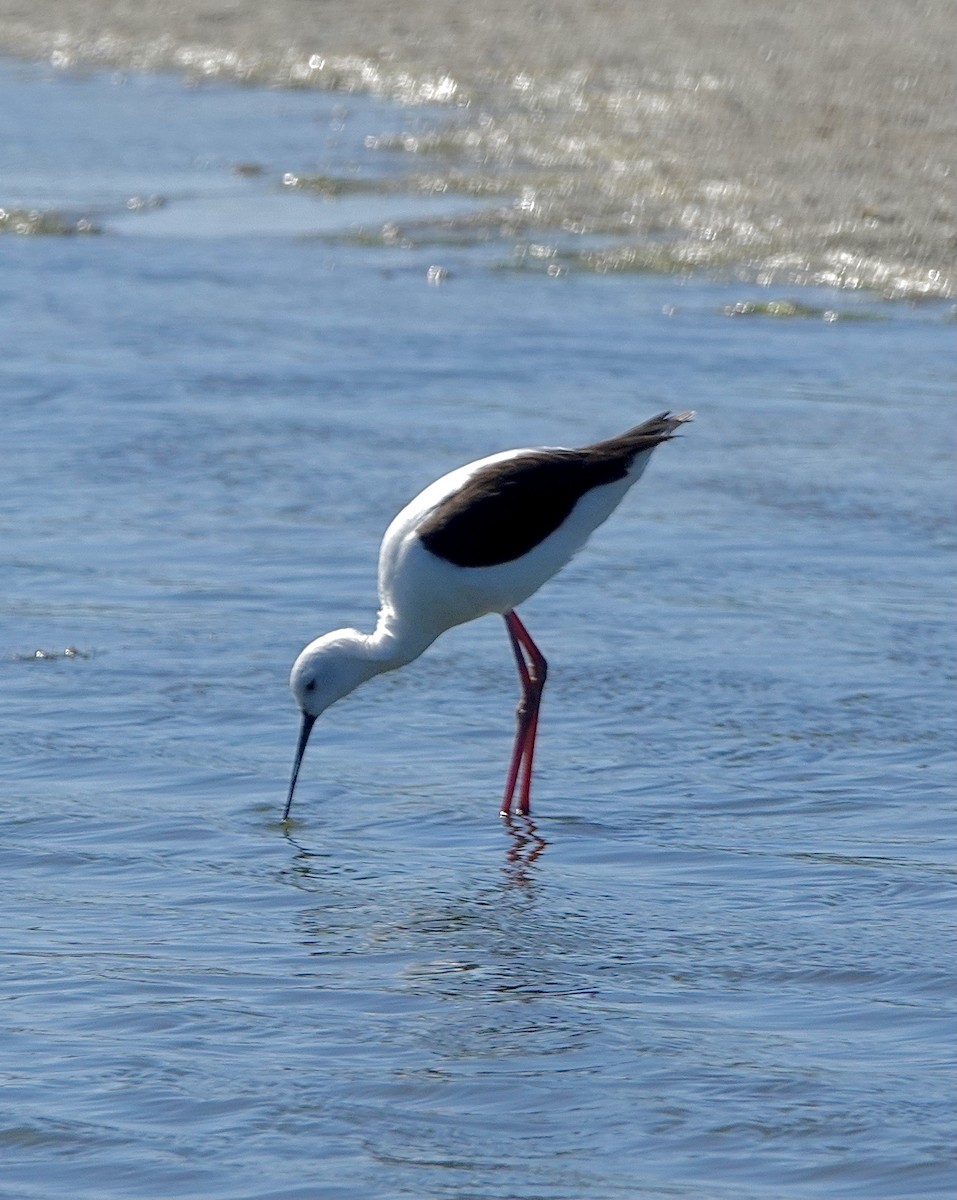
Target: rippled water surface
(718, 962)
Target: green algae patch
(793, 309)
(333, 187)
(34, 222)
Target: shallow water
(718, 962)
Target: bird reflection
(526, 844)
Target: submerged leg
(532, 670)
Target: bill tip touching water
(479, 540)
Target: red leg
(532, 672)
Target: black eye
(310, 686)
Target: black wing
(508, 507)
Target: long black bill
(304, 730)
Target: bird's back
(510, 505)
(486, 536)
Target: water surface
(719, 960)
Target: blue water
(718, 961)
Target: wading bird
(480, 540)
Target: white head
(326, 671)
(329, 669)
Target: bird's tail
(642, 437)
(664, 425)
(656, 430)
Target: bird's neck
(394, 643)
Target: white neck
(393, 643)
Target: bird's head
(327, 670)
